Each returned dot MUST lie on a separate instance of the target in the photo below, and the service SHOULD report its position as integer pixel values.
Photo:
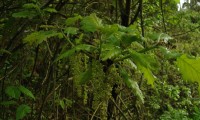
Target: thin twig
(192, 30)
(125, 106)
(50, 52)
(9, 72)
(119, 109)
(47, 73)
(95, 111)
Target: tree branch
(125, 12)
(141, 17)
(163, 18)
(136, 14)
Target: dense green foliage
(100, 59)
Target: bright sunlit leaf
(189, 68)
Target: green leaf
(68, 102)
(130, 63)
(137, 46)
(145, 63)
(71, 30)
(168, 54)
(145, 60)
(66, 54)
(22, 111)
(133, 85)
(91, 23)
(127, 39)
(124, 75)
(189, 68)
(153, 35)
(2, 51)
(84, 47)
(62, 104)
(109, 51)
(148, 75)
(31, 6)
(13, 91)
(81, 47)
(8, 103)
(109, 29)
(72, 20)
(50, 10)
(177, 1)
(26, 92)
(159, 36)
(79, 39)
(47, 26)
(115, 38)
(39, 36)
(25, 14)
(122, 28)
(85, 76)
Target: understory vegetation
(99, 60)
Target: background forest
(99, 60)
